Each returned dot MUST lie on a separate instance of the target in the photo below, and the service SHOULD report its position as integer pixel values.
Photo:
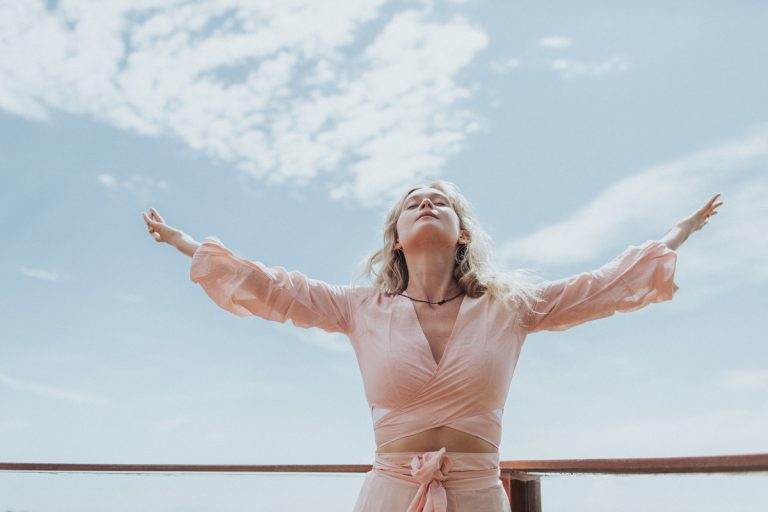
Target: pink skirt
(438, 481)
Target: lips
(427, 214)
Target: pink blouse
(408, 391)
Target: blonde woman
(437, 335)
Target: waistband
(434, 472)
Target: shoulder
(366, 294)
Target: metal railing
(520, 478)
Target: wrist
(176, 237)
(184, 243)
(678, 234)
(686, 226)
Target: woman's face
(427, 219)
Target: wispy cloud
(283, 91)
(569, 68)
(53, 392)
(39, 273)
(326, 340)
(555, 42)
(651, 200)
(505, 66)
(743, 380)
(141, 186)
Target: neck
(430, 275)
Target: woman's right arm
(185, 244)
(245, 287)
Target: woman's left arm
(694, 222)
(641, 275)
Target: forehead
(421, 192)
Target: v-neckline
(412, 308)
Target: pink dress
(407, 390)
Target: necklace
(439, 303)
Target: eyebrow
(433, 194)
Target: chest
(403, 357)
(437, 324)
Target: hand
(700, 217)
(159, 230)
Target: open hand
(159, 230)
(700, 217)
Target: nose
(426, 201)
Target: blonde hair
(475, 269)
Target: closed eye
(436, 202)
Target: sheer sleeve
(640, 275)
(245, 288)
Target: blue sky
(286, 129)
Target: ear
(464, 237)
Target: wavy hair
(475, 268)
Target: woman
(437, 336)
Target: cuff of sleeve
(663, 278)
(197, 266)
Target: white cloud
(141, 186)
(332, 341)
(108, 181)
(743, 380)
(56, 393)
(277, 90)
(505, 66)
(39, 273)
(555, 42)
(571, 68)
(652, 200)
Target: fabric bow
(430, 469)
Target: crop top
(407, 390)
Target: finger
(157, 215)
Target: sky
(287, 129)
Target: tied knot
(430, 470)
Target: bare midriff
(433, 439)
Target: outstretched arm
(244, 287)
(639, 276)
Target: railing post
(523, 491)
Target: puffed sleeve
(245, 288)
(640, 275)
